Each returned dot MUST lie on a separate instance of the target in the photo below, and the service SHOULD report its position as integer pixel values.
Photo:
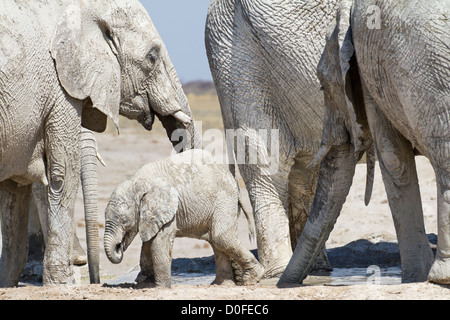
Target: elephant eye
(108, 35)
(153, 55)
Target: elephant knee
(57, 182)
(393, 164)
(446, 196)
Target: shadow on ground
(362, 253)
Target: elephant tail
(248, 215)
(370, 163)
(250, 220)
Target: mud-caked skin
(187, 195)
(63, 65)
(386, 86)
(263, 57)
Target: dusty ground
(125, 153)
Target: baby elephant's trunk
(113, 242)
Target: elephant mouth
(118, 252)
(114, 242)
(114, 252)
(116, 255)
(147, 118)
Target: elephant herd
(337, 79)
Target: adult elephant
(391, 84)
(65, 65)
(263, 57)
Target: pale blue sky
(181, 25)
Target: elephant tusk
(183, 117)
(99, 157)
(320, 155)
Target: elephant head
(121, 221)
(137, 207)
(345, 138)
(109, 55)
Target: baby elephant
(187, 195)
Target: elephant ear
(157, 208)
(86, 65)
(339, 76)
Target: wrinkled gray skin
(187, 195)
(390, 85)
(38, 224)
(263, 57)
(63, 65)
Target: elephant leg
(269, 196)
(161, 255)
(224, 270)
(62, 130)
(440, 270)
(146, 275)
(228, 249)
(398, 168)
(231, 248)
(36, 243)
(14, 206)
(249, 110)
(79, 257)
(39, 226)
(39, 198)
(302, 185)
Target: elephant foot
(148, 281)
(79, 257)
(9, 273)
(440, 271)
(143, 279)
(322, 264)
(253, 275)
(248, 276)
(273, 272)
(6, 281)
(58, 275)
(417, 268)
(275, 260)
(223, 282)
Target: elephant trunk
(113, 242)
(334, 182)
(174, 111)
(90, 196)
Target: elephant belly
(22, 153)
(26, 170)
(419, 113)
(404, 74)
(194, 222)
